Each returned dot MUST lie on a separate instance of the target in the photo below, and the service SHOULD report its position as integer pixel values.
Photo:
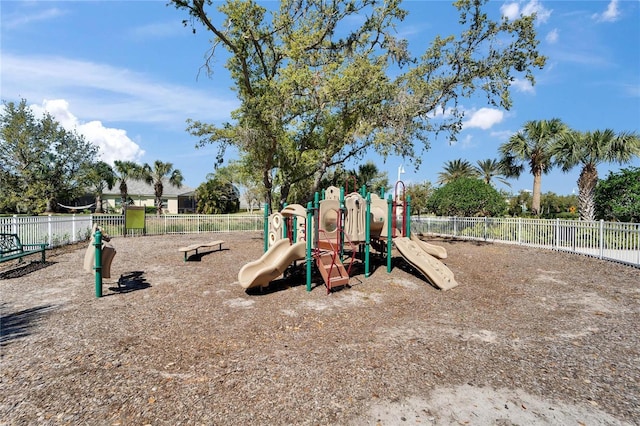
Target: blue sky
(126, 75)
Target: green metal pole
(367, 236)
(285, 234)
(316, 218)
(294, 231)
(98, 268)
(342, 217)
(266, 227)
(389, 231)
(407, 215)
(309, 236)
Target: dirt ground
(528, 337)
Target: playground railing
(615, 241)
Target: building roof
(141, 188)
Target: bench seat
(198, 246)
(12, 248)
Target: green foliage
(617, 198)
(533, 145)
(156, 176)
(420, 193)
(467, 197)
(315, 86)
(216, 196)
(125, 171)
(588, 149)
(456, 169)
(369, 176)
(100, 176)
(490, 169)
(554, 206)
(41, 163)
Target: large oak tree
(324, 81)
(41, 163)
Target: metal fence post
(49, 231)
(601, 238)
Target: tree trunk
(51, 205)
(586, 190)
(98, 204)
(285, 188)
(537, 184)
(268, 185)
(159, 189)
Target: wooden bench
(11, 248)
(196, 247)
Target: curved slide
(434, 270)
(272, 263)
(432, 249)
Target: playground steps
(327, 244)
(332, 270)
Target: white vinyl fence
(616, 241)
(68, 229)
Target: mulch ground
(528, 337)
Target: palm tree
(126, 170)
(590, 149)
(489, 169)
(456, 169)
(155, 176)
(373, 179)
(533, 145)
(100, 177)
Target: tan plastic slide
(432, 249)
(434, 270)
(272, 264)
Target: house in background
(174, 199)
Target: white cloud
(113, 144)
(610, 15)
(20, 19)
(513, 10)
(534, 6)
(157, 30)
(502, 135)
(484, 118)
(552, 36)
(510, 10)
(523, 85)
(108, 93)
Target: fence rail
(62, 230)
(619, 242)
(614, 241)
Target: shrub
(467, 197)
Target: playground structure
(334, 232)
